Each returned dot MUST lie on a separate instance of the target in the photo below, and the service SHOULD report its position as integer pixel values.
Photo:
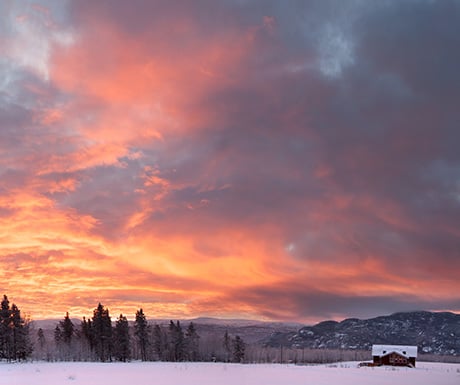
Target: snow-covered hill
(436, 333)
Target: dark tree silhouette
(239, 348)
(176, 341)
(102, 333)
(87, 336)
(141, 331)
(41, 339)
(191, 343)
(121, 340)
(160, 342)
(227, 344)
(67, 329)
(14, 333)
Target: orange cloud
(197, 166)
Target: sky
(263, 159)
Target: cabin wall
(393, 359)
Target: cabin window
(404, 352)
(384, 351)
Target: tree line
(98, 338)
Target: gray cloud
(337, 124)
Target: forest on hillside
(100, 338)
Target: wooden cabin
(394, 355)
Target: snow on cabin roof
(383, 350)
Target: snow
(162, 373)
(404, 350)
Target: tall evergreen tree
(22, 347)
(5, 330)
(67, 329)
(58, 341)
(14, 333)
(41, 340)
(227, 344)
(141, 331)
(160, 342)
(63, 335)
(191, 343)
(86, 327)
(239, 348)
(121, 340)
(102, 333)
(57, 335)
(176, 341)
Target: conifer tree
(238, 349)
(41, 339)
(102, 333)
(22, 347)
(14, 333)
(191, 343)
(63, 335)
(57, 335)
(141, 331)
(86, 328)
(160, 342)
(58, 341)
(176, 341)
(67, 329)
(122, 351)
(5, 330)
(227, 344)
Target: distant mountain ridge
(436, 333)
(432, 332)
(228, 322)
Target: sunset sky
(265, 159)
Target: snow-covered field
(160, 373)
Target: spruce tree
(176, 341)
(141, 331)
(238, 349)
(58, 341)
(86, 328)
(22, 347)
(57, 335)
(102, 333)
(41, 339)
(64, 334)
(227, 344)
(5, 330)
(14, 333)
(159, 342)
(191, 343)
(122, 351)
(68, 329)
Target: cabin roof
(404, 350)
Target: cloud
(31, 30)
(239, 152)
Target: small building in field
(394, 355)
